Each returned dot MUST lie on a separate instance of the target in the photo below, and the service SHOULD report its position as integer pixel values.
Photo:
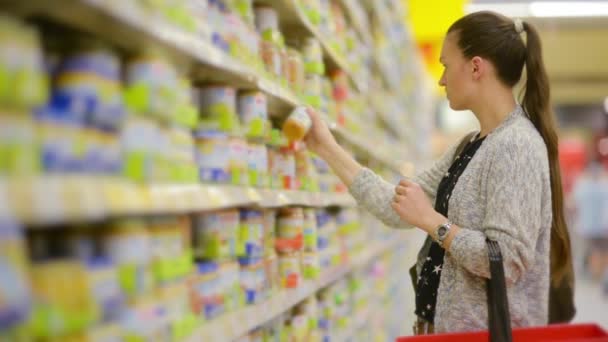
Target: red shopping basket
(557, 332)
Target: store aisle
(592, 305)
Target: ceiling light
(510, 9)
(569, 8)
(544, 9)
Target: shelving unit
(242, 321)
(295, 22)
(78, 199)
(74, 201)
(133, 29)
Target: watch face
(442, 231)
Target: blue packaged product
(251, 234)
(105, 288)
(14, 286)
(213, 157)
(208, 290)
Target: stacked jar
(216, 249)
(289, 245)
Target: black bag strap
(499, 319)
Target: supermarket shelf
(366, 146)
(356, 20)
(357, 322)
(296, 24)
(128, 26)
(48, 200)
(235, 325)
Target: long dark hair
(495, 38)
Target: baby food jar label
(213, 158)
(310, 265)
(251, 233)
(253, 110)
(290, 270)
(257, 157)
(14, 288)
(297, 124)
(218, 109)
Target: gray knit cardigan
(504, 194)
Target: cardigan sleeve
(375, 194)
(517, 181)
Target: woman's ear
(478, 67)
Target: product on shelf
(311, 267)
(218, 110)
(257, 165)
(272, 48)
(253, 112)
(271, 277)
(127, 243)
(216, 234)
(239, 155)
(230, 286)
(305, 171)
(313, 56)
(105, 288)
(61, 297)
(170, 243)
(289, 230)
(313, 90)
(310, 230)
(282, 166)
(269, 220)
(206, 298)
(213, 157)
(24, 84)
(252, 279)
(290, 269)
(295, 71)
(14, 286)
(251, 234)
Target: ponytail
(536, 103)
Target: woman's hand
(414, 207)
(319, 138)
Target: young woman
(504, 184)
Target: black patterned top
(428, 281)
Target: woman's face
(457, 77)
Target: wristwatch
(442, 232)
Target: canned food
(310, 230)
(295, 71)
(208, 294)
(213, 156)
(271, 56)
(14, 288)
(238, 165)
(313, 57)
(290, 223)
(218, 110)
(252, 277)
(253, 112)
(230, 286)
(269, 221)
(257, 158)
(271, 269)
(215, 234)
(282, 165)
(290, 270)
(313, 90)
(311, 267)
(251, 233)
